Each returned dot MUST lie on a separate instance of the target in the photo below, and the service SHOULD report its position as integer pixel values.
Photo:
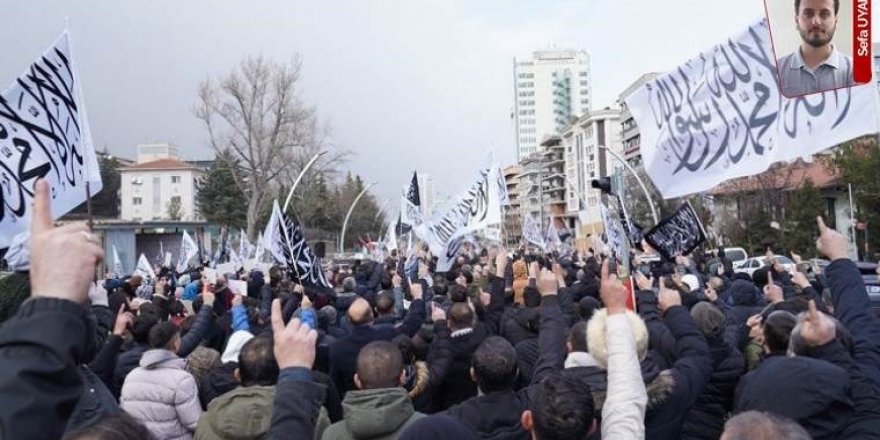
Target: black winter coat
(706, 418)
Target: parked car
(736, 255)
(752, 264)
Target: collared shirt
(796, 78)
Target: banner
(44, 133)
(245, 248)
(261, 249)
(188, 250)
(531, 232)
(287, 244)
(551, 238)
(411, 204)
(118, 270)
(391, 239)
(476, 209)
(677, 234)
(501, 183)
(144, 269)
(721, 116)
(615, 237)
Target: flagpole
(298, 178)
(348, 216)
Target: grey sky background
(405, 85)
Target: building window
(582, 74)
(529, 102)
(583, 83)
(527, 94)
(527, 112)
(175, 199)
(526, 85)
(175, 179)
(137, 201)
(585, 91)
(525, 75)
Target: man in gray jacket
(380, 408)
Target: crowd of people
(506, 345)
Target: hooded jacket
(243, 413)
(162, 396)
(378, 414)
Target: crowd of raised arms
(506, 345)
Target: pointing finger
(277, 321)
(41, 218)
(821, 222)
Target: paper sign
(226, 268)
(237, 286)
(210, 274)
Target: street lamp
(348, 216)
(638, 179)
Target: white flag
(117, 263)
(552, 238)
(721, 115)
(188, 250)
(261, 249)
(44, 133)
(531, 232)
(245, 248)
(391, 239)
(144, 268)
(476, 209)
(615, 238)
(410, 203)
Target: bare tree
(255, 112)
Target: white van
(736, 255)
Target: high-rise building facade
(426, 194)
(550, 89)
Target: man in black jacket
(344, 352)
(44, 343)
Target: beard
(817, 39)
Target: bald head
(379, 365)
(360, 312)
(755, 425)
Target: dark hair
(577, 337)
(186, 325)
(162, 334)
(797, 6)
(531, 297)
(148, 309)
(407, 348)
(458, 293)
(494, 365)
(140, 328)
(586, 307)
(563, 408)
(256, 362)
(119, 426)
(777, 331)
(379, 365)
(460, 316)
(756, 425)
(384, 303)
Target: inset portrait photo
(813, 44)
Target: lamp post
(348, 216)
(298, 178)
(638, 179)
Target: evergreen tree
(219, 199)
(799, 229)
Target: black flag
(677, 234)
(299, 256)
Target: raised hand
(294, 343)
(668, 297)
(830, 242)
(816, 327)
(123, 321)
(772, 292)
(63, 259)
(643, 282)
(612, 291)
(547, 284)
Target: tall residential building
(512, 214)
(629, 131)
(156, 182)
(426, 194)
(550, 89)
(586, 159)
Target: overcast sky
(405, 85)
